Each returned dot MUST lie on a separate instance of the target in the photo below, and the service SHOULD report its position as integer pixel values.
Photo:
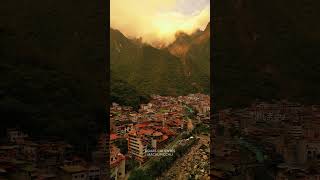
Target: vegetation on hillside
(125, 94)
(155, 71)
(52, 71)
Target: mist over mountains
(178, 69)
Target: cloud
(157, 21)
(190, 6)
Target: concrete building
(137, 145)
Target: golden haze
(154, 20)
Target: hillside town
(48, 158)
(158, 125)
(278, 140)
(163, 123)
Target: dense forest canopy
(166, 71)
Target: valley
(163, 71)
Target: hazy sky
(158, 20)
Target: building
(137, 145)
(9, 152)
(16, 136)
(93, 173)
(117, 164)
(123, 129)
(30, 151)
(73, 172)
(190, 125)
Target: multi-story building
(137, 145)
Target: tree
(122, 144)
(131, 164)
(140, 174)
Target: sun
(165, 27)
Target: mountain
(184, 42)
(125, 94)
(149, 70)
(194, 52)
(181, 68)
(266, 50)
(52, 71)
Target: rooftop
(145, 132)
(113, 137)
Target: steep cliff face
(179, 69)
(194, 52)
(148, 69)
(265, 50)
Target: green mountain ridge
(124, 94)
(158, 71)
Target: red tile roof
(164, 137)
(167, 131)
(157, 127)
(113, 137)
(146, 132)
(178, 121)
(142, 125)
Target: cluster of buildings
(151, 127)
(117, 163)
(281, 133)
(23, 157)
(200, 103)
(156, 123)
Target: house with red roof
(117, 163)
